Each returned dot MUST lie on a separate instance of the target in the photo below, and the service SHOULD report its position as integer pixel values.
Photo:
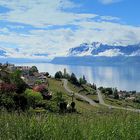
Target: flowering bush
(5, 87)
(40, 88)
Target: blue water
(122, 77)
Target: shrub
(33, 97)
(6, 101)
(20, 101)
(5, 87)
(40, 88)
(15, 78)
(59, 98)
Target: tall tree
(73, 79)
(58, 75)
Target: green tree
(73, 79)
(15, 78)
(115, 93)
(58, 75)
(32, 70)
(82, 80)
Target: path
(91, 102)
(101, 101)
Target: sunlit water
(124, 77)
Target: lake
(122, 77)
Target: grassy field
(97, 125)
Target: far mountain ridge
(101, 49)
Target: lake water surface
(122, 77)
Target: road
(91, 102)
(70, 92)
(101, 101)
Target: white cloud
(56, 41)
(41, 13)
(109, 1)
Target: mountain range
(101, 54)
(99, 49)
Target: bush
(40, 88)
(33, 97)
(59, 97)
(5, 87)
(7, 101)
(15, 78)
(20, 102)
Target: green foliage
(59, 97)
(47, 74)
(58, 75)
(103, 126)
(20, 102)
(4, 76)
(115, 93)
(33, 98)
(15, 78)
(82, 80)
(13, 101)
(7, 101)
(106, 91)
(137, 100)
(73, 79)
(32, 70)
(38, 82)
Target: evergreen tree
(73, 79)
(84, 80)
(58, 75)
(115, 92)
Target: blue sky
(127, 10)
(46, 28)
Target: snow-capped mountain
(99, 49)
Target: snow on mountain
(99, 49)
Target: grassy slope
(92, 123)
(122, 103)
(57, 86)
(85, 90)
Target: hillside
(89, 123)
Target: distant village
(33, 77)
(29, 74)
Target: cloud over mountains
(44, 28)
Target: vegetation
(96, 125)
(58, 75)
(32, 70)
(31, 116)
(33, 97)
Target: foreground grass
(97, 125)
